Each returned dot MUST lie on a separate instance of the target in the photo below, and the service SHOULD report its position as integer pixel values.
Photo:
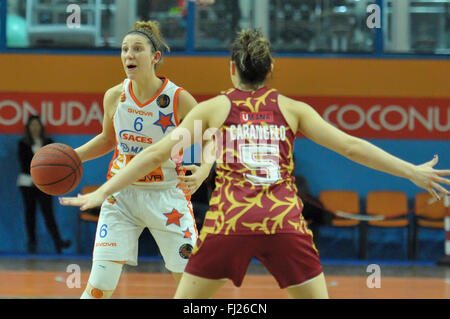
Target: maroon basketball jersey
(255, 192)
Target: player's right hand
(191, 183)
(85, 202)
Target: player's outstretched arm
(104, 142)
(314, 127)
(147, 160)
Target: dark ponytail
(252, 55)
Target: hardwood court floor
(36, 278)
(48, 284)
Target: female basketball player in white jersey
(137, 113)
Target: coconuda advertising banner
(366, 117)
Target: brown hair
(150, 29)
(253, 56)
(27, 134)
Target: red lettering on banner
(61, 113)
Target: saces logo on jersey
(163, 101)
(164, 121)
(133, 136)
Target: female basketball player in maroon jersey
(254, 210)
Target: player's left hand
(430, 179)
(87, 201)
(192, 182)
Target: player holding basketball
(255, 211)
(137, 113)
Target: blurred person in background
(313, 210)
(33, 139)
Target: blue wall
(323, 169)
(12, 226)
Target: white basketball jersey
(139, 125)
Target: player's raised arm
(152, 157)
(314, 127)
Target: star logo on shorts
(187, 233)
(173, 217)
(164, 121)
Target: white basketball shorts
(167, 214)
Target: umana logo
(257, 117)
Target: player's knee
(103, 279)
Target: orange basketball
(56, 169)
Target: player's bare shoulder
(291, 110)
(291, 105)
(112, 98)
(216, 110)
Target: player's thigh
(194, 287)
(175, 248)
(117, 235)
(315, 288)
(171, 222)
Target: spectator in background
(34, 138)
(313, 210)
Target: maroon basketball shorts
(290, 258)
